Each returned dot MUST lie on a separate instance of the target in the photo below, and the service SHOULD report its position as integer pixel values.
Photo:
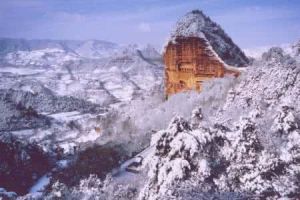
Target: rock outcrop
(199, 50)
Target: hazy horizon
(249, 24)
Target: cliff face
(192, 56)
(189, 62)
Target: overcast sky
(249, 23)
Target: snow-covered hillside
(248, 148)
(97, 71)
(62, 89)
(241, 141)
(43, 58)
(57, 96)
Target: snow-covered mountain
(291, 49)
(87, 49)
(249, 146)
(44, 57)
(95, 115)
(98, 71)
(241, 141)
(96, 49)
(197, 24)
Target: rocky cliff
(198, 50)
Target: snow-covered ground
(40, 185)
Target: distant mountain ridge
(84, 48)
(292, 49)
(105, 70)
